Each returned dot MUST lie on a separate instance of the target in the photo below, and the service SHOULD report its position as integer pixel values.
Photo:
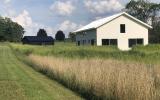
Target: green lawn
(147, 54)
(20, 82)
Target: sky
(54, 15)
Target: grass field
(20, 82)
(99, 72)
(148, 54)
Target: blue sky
(54, 15)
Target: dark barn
(36, 40)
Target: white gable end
(133, 30)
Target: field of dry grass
(106, 79)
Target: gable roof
(100, 22)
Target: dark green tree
(145, 11)
(2, 29)
(72, 36)
(60, 36)
(42, 33)
(10, 31)
(139, 9)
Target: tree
(139, 9)
(145, 10)
(10, 31)
(72, 36)
(142, 9)
(42, 33)
(60, 36)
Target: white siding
(111, 30)
(87, 36)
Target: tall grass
(104, 79)
(147, 54)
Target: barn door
(92, 42)
(78, 43)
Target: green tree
(42, 33)
(2, 29)
(139, 9)
(60, 36)
(10, 31)
(145, 11)
(72, 36)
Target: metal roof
(38, 39)
(100, 22)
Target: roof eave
(83, 30)
(143, 23)
(123, 13)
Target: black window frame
(122, 28)
(135, 41)
(109, 42)
(114, 42)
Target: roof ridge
(97, 23)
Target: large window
(133, 42)
(123, 28)
(109, 41)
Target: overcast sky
(54, 15)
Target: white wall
(111, 30)
(89, 35)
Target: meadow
(98, 72)
(19, 81)
(147, 54)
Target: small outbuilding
(36, 40)
(121, 30)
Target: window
(105, 42)
(109, 41)
(84, 34)
(123, 28)
(133, 42)
(113, 41)
(139, 41)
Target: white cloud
(30, 27)
(68, 26)
(98, 17)
(6, 1)
(7, 9)
(62, 8)
(24, 19)
(103, 6)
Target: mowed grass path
(20, 82)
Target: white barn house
(122, 30)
